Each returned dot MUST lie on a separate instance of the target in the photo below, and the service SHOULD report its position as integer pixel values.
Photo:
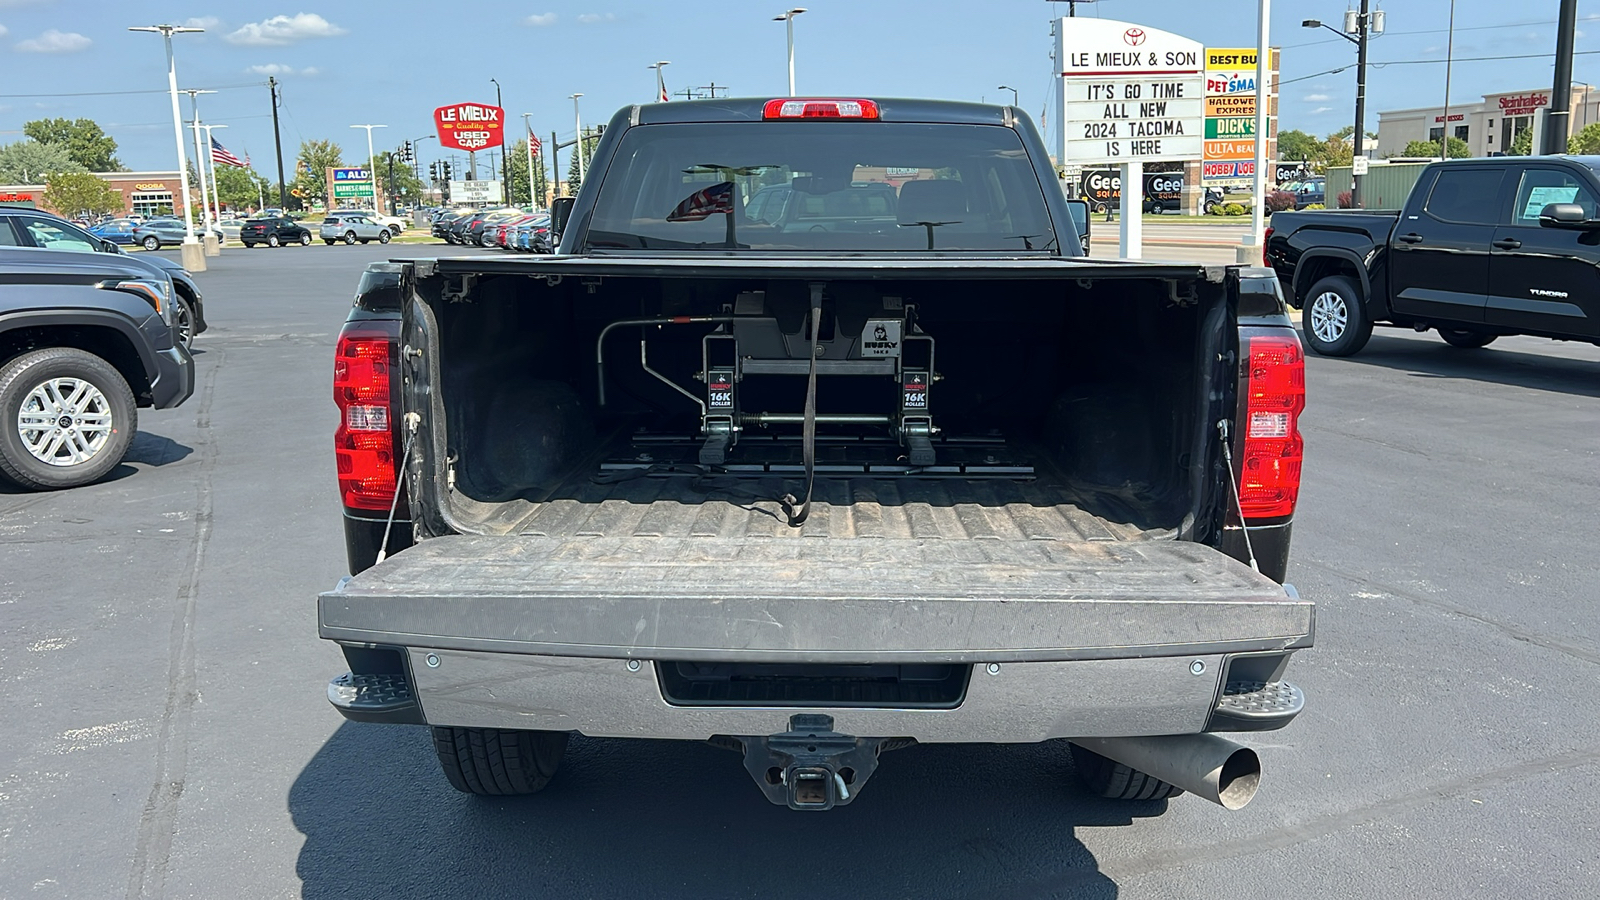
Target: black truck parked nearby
(813, 495)
(85, 339)
(1483, 248)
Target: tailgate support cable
(1238, 503)
(412, 420)
(808, 428)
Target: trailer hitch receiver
(810, 766)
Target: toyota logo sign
(1133, 37)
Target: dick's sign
(470, 126)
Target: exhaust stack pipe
(1202, 764)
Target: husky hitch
(810, 766)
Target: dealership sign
(470, 126)
(1129, 93)
(475, 192)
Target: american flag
(533, 142)
(220, 154)
(717, 198)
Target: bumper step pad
(1256, 706)
(375, 698)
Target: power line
(1427, 62)
(225, 87)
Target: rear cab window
(850, 186)
(1466, 196)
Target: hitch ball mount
(810, 766)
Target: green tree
(311, 167)
(1335, 152)
(71, 193)
(1296, 146)
(83, 140)
(517, 174)
(1458, 149)
(28, 162)
(1522, 144)
(587, 145)
(1586, 141)
(242, 188)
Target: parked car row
(506, 229)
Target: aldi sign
(470, 126)
(353, 174)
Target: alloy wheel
(64, 421)
(1329, 317)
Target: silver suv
(352, 227)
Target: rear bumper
(1062, 640)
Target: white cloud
(206, 22)
(281, 69)
(539, 20)
(1321, 109)
(3, 31)
(591, 18)
(54, 41)
(1316, 98)
(280, 30)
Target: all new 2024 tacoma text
(891, 466)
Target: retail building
(1489, 125)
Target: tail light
(1266, 238)
(819, 109)
(1269, 476)
(364, 443)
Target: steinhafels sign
(470, 126)
(1522, 104)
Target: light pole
(528, 143)
(788, 19)
(372, 164)
(211, 164)
(207, 242)
(577, 121)
(505, 183)
(1449, 59)
(416, 158)
(1007, 87)
(661, 80)
(194, 258)
(1362, 22)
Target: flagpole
(528, 142)
(211, 162)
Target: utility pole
(555, 167)
(277, 141)
(688, 94)
(1559, 118)
(713, 87)
(1362, 30)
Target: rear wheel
(152, 242)
(383, 236)
(248, 245)
(349, 237)
(272, 241)
(1466, 340)
(66, 418)
(183, 321)
(1109, 778)
(305, 238)
(492, 762)
(328, 242)
(1334, 321)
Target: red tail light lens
(364, 443)
(1265, 239)
(1269, 478)
(819, 109)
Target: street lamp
(416, 161)
(1007, 87)
(1364, 25)
(788, 19)
(207, 242)
(194, 258)
(661, 81)
(578, 122)
(505, 187)
(372, 164)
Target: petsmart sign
(1129, 93)
(470, 126)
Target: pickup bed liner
(757, 599)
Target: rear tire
(1466, 340)
(305, 239)
(152, 243)
(274, 242)
(249, 245)
(1108, 778)
(1333, 318)
(109, 402)
(183, 322)
(491, 762)
(383, 236)
(328, 242)
(349, 238)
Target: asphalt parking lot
(166, 732)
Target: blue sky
(393, 62)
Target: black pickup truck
(814, 494)
(1483, 248)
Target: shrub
(1344, 200)
(1234, 209)
(1279, 200)
(1314, 206)
(1216, 210)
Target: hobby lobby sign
(469, 126)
